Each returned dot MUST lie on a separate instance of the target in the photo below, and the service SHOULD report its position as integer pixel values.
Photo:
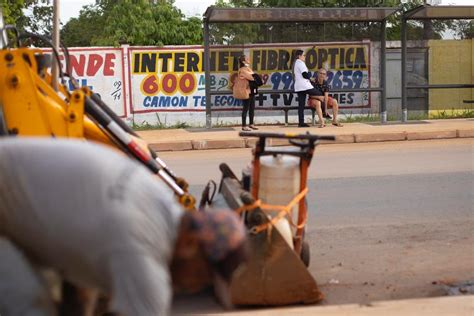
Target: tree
(12, 10)
(464, 29)
(38, 18)
(41, 18)
(111, 22)
(83, 30)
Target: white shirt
(94, 215)
(301, 84)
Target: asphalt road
(387, 220)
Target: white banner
(172, 78)
(102, 70)
(167, 79)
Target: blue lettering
(183, 102)
(202, 82)
(80, 82)
(196, 99)
(173, 103)
(146, 102)
(154, 102)
(224, 100)
(164, 102)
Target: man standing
(303, 85)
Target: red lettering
(78, 66)
(187, 83)
(109, 64)
(94, 64)
(169, 83)
(150, 85)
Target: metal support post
(383, 79)
(55, 69)
(404, 69)
(207, 74)
(3, 35)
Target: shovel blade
(274, 275)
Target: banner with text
(347, 68)
(167, 79)
(101, 69)
(172, 78)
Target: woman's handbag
(258, 80)
(241, 90)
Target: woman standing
(246, 73)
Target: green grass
(435, 115)
(145, 126)
(345, 118)
(453, 114)
(351, 118)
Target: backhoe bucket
(274, 274)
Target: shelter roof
(289, 15)
(441, 12)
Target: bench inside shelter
(307, 107)
(288, 108)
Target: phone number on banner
(340, 79)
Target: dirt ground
(392, 262)
(363, 264)
(388, 222)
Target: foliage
(111, 22)
(464, 29)
(38, 19)
(145, 126)
(41, 18)
(12, 10)
(452, 114)
(83, 30)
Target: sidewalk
(228, 137)
(437, 306)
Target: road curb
(380, 137)
(340, 139)
(465, 133)
(436, 306)
(431, 135)
(172, 146)
(218, 144)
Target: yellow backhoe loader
(276, 273)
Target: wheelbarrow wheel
(305, 253)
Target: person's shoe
(246, 129)
(303, 125)
(337, 124)
(327, 116)
(253, 127)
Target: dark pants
(302, 102)
(248, 106)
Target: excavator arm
(29, 106)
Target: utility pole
(54, 68)
(3, 35)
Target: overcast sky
(71, 8)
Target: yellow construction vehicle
(31, 107)
(276, 272)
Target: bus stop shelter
(297, 15)
(423, 13)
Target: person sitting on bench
(323, 88)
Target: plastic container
(279, 183)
